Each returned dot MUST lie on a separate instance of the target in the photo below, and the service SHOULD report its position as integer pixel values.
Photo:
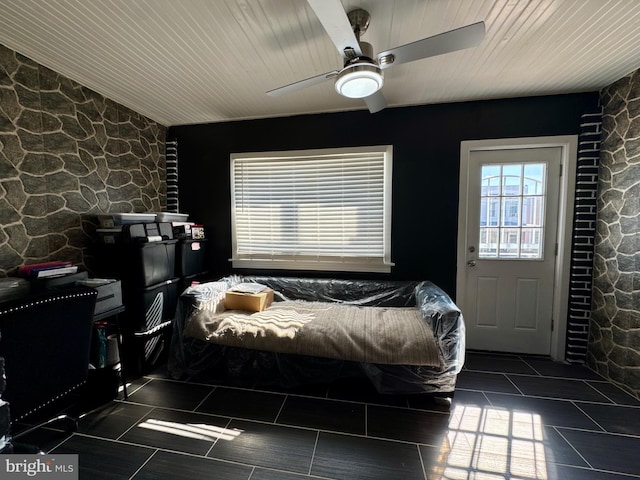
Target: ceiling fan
(362, 75)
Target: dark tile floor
(513, 417)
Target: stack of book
(57, 268)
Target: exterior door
(510, 248)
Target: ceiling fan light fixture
(359, 80)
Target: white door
(510, 248)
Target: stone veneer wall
(66, 154)
(614, 331)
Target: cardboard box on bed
(251, 302)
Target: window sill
(327, 266)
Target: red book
(27, 270)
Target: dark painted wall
(426, 147)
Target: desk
(114, 314)
(46, 341)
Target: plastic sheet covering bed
(199, 359)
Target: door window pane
(512, 203)
(531, 243)
(534, 174)
(511, 179)
(510, 211)
(491, 180)
(509, 243)
(488, 242)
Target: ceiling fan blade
(307, 82)
(376, 102)
(446, 42)
(334, 20)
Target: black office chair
(45, 341)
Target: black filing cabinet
(150, 291)
(190, 261)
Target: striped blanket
(382, 335)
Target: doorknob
(471, 263)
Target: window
(313, 209)
(512, 211)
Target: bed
(405, 337)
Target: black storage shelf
(190, 257)
(146, 349)
(149, 306)
(153, 275)
(139, 264)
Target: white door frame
(569, 145)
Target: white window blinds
(312, 210)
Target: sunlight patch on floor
(485, 443)
(191, 430)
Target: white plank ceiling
(196, 61)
